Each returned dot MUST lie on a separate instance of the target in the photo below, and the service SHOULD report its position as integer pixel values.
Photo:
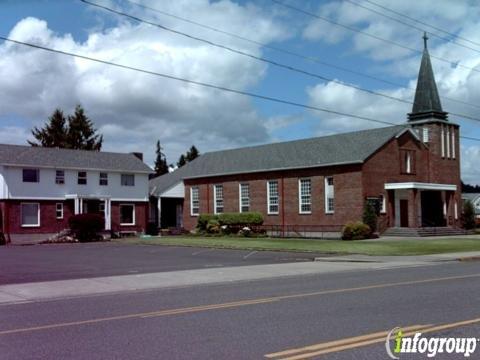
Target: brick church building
(412, 171)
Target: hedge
(231, 219)
(356, 231)
(86, 227)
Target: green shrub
(213, 226)
(468, 216)
(370, 216)
(203, 220)
(86, 227)
(356, 231)
(230, 219)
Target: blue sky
(134, 110)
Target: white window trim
(59, 177)
(78, 177)
(408, 165)
(327, 211)
(37, 170)
(57, 209)
(133, 217)
(191, 200)
(268, 198)
(456, 210)
(100, 179)
(300, 196)
(448, 143)
(240, 204)
(426, 135)
(383, 204)
(38, 215)
(215, 199)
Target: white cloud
(133, 109)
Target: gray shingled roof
(472, 197)
(346, 148)
(70, 159)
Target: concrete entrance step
(426, 231)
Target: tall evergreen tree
(53, 134)
(192, 154)
(81, 132)
(161, 166)
(181, 161)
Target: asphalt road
(248, 320)
(20, 264)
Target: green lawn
(380, 247)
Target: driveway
(19, 264)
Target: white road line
(249, 254)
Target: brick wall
(141, 217)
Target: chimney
(138, 155)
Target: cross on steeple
(425, 38)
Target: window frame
(57, 211)
(426, 135)
(59, 179)
(197, 190)
(216, 200)
(127, 176)
(448, 143)
(241, 198)
(81, 178)
(408, 160)
(38, 215)
(269, 198)
(452, 142)
(383, 204)
(300, 196)
(103, 179)
(37, 175)
(442, 141)
(327, 186)
(133, 223)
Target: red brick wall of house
(348, 195)
(141, 217)
(50, 224)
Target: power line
(411, 26)
(207, 85)
(259, 58)
(354, 29)
(422, 22)
(289, 52)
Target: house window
(272, 197)
(30, 214)
(31, 175)
(453, 143)
(82, 178)
(329, 195)
(426, 135)
(128, 180)
(448, 143)
(305, 196)
(218, 199)
(59, 210)
(244, 197)
(194, 201)
(383, 204)
(407, 161)
(60, 177)
(442, 140)
(101, 207)
(103, 181)
(127, 214)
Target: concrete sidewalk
(459, 256)
(38, 291)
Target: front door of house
(404, 213)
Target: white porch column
(108, 214)
(80, 206)
(76, 203)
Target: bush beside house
(468, 216)
(86, 227)
(356, 231)
(228, 223)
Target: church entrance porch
(421, 205)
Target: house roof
(20, 155)
(473, 197)
(340, 149)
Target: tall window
(103, 180)
(218, 199)
(442, 141)
(453, 143)
(127, 214)
(31, 175)
(448, 143)
(30, 214)
(383, 204)
(305, 196)
(272, 197)
(82, 178)
(329, 195)
(426, 134)
(60, 177)
(244, 190)
(59, 210)
(194, 201)
(407, 161)
(128, 180)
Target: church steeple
(427, 102)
